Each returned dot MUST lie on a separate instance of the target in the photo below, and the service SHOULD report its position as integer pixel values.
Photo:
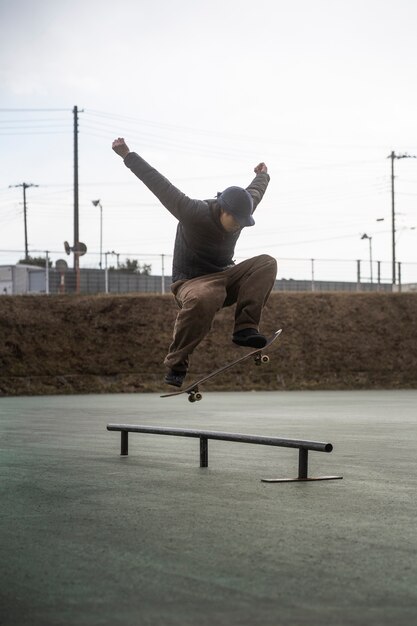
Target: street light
(98, 203)
(365, 236)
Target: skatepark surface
(92, 538)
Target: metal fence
(91, 281)
(106, 281)
(293, 275)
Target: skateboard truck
(260, 359)
(194, 395)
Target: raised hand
(120, 147)
(261, 169)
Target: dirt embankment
(93, 344)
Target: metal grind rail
(204, 435)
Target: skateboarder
(205, 277)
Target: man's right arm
(172, 198)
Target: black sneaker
(249, 337)
(175, 378)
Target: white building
(19, 279)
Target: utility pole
(76, 213)
(393, 156)
(78, 249)
(25, 186)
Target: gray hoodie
(202, 246)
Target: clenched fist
(261, 169)
(120, 147)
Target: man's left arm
(259, 184)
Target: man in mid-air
(205, 277)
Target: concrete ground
(92, 538)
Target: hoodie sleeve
(181, 206)
(258, 187)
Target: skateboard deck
(194, 394)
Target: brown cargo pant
(248, 284)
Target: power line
(32, 119)
(31, 110)
(234, 136)
(40, 126)
(31, 132)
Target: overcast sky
(321, 91)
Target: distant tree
(146, 269)
(40, 261)
(133, 265)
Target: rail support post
(302, 471)
(124, 443)
(302, 464)
(203, 452)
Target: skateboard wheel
(191, 398)
(265, 358)
(198, 396)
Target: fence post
(358, 275)
(312, 274)
(106, 274)
(47, 272)
(399, 276)
(163, 274)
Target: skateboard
(195, 395)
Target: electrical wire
(32, 110)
